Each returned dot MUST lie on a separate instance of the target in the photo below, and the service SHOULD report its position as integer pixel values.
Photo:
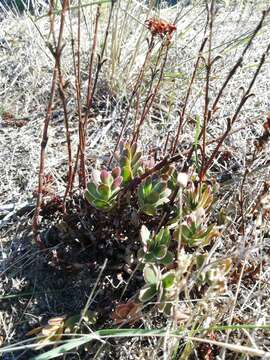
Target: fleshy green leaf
(168, 279)
(151, 274)
(104, 191)
(126, 173)
(91, 187)
(149, 210)
(163, 237)
(147, 293)
(101, 204)
(150, 258)
(136, 158)
(166, 193)
(147, 187)
(145, 234)
(160, 252)
(133, 149)
(168, 259)
(152, 198)
(160, 187)
(162, 201)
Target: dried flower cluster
(160, 27)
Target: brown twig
(91, 65)
(152, 94)
(101, 59)
(78, 98)
(66, 122)
(80, 158)
(245, 97)
(46, 125)
(92, 88)
(148, 95)
(229, 77)
(239, 61)
(182, 113)
(134, 93)
(51, 14)
(214, 154)
(81, 147)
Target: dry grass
(25, 78)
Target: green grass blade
(107, 333)
(68, 345)
(98, 335)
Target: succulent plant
(152, 193)
(215, 277)
(194, 231)
(158, 284)
(155, 249)
(101, 192)
(198, 196)
(129, 161)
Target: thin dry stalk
(241, 199)
(208, 65)
(78, 96)
(101, 59)
(179, 263)
(91, 65)
(182, 114)
(152, 93)
(61, 87)
(80, 156)
(239, 61)
(47, 120)
(134, 93)
(80, 159)
(245, 97)
(214, 107)
(234, 347)
(90, 92)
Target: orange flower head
(160, 27)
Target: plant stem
(152, 95)
(47, 120)
(207, 113)
(182, 114)
(133, 94)
(66, 121)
